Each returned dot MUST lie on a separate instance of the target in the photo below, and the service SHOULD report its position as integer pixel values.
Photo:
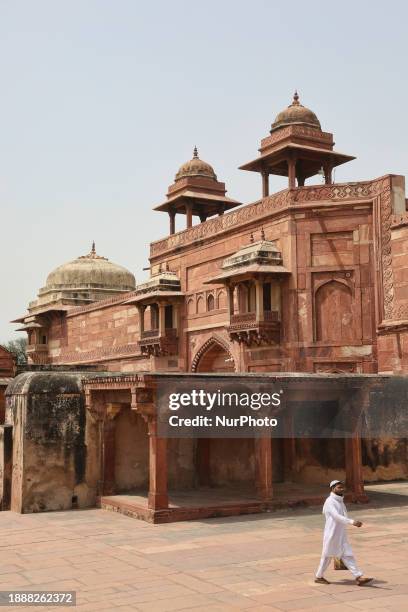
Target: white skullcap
(334, 482)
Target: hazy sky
(102, 100)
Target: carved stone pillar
(354, 467)
(172, 216)
(162, 319)
(259, 300)
(292, 172)
(109, 448)
(176, 309)
(328, 174)
(265, 183)
(158, 495)
(141, 310)
(276, 297)
(263, 462)
(189, 215)
(230, 291)
(289, 446)
(96, 407)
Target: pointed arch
(213, 343)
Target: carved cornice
(267, 207)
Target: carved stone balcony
(248, 329)
(37, 353)
(152, 342)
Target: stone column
(109, 448)
(175, 315)
(158, 496)
(230, 291)
(259, 300)
(276, 297)
(141, 310)
(265, 183)
(189, 215)
(354, 467)
(263, 462)
(172, 215)
(162, 319)
(328, 174)
(289, 446)
(292, 172)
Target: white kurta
(335, 542)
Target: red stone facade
(344, 306)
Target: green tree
(19, 348)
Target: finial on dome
(93, 251)
(262, 234)
(195, 153)
(295, 98)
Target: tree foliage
(19, 348)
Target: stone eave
(272, 155)
(251, 270)
(154, 293)
(178, 200)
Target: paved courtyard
(258, 562)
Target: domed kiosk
(297, 148)
(196, 191)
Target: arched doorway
(227, 464)
(213, 357)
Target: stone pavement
(258, 562)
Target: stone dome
(196, 167)
(296, 113)
(90, 271)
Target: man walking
(335, 542)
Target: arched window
(190, 307)
(222, 299)
(200, 305)
(334, 315)
(210, 302)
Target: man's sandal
(321, 581)
(363, 581)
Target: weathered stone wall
(52, 458)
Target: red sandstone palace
(312, 279)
